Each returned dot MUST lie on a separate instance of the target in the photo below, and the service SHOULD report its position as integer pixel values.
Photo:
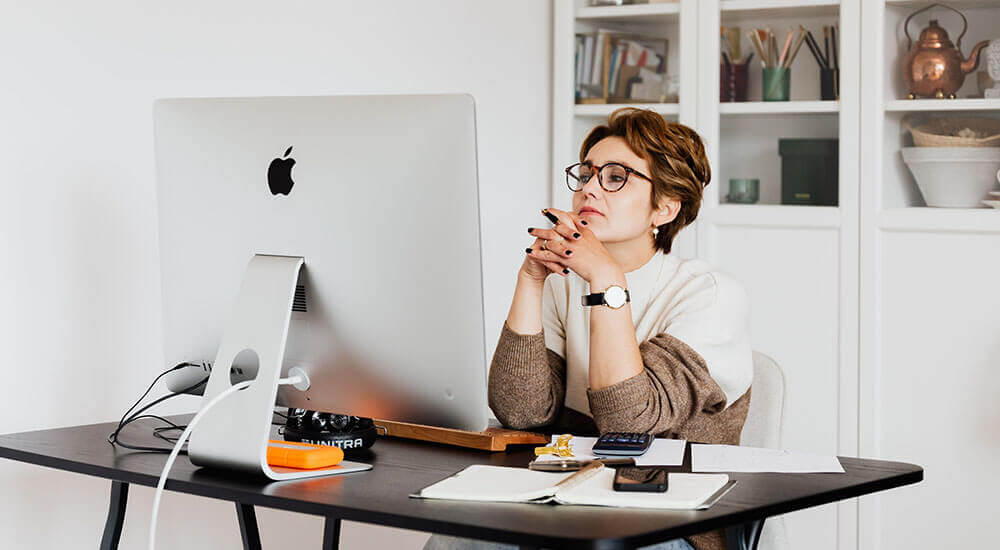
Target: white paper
(732, 458)
(663, 452)
(496, 483)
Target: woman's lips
(591, 212)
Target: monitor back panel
(383, 207)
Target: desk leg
(745, 536)
(116, 516)
(248, 526)
(331, 534)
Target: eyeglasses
(612, 176)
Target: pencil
(772, 46)
(814, 47)
(795, 49)
(784, 50)
(833, 40)
(762, 37)
(733, 37)
(826, 45)
(755, 42)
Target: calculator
(631, 444)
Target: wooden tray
(490, 439)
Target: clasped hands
(571, 245)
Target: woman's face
(625, 214)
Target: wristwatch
(614, 297)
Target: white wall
(79, 322)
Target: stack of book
(614, 66)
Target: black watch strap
(597, 298)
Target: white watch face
(614, 296)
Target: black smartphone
(646, 479)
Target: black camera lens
(339, 421)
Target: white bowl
(953, 177)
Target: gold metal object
(934, 67)
(561, 448)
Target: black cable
(113, 438)
(125, 422)
(130, 416)
(150, 388)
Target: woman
(567, 367)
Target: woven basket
(944, 131)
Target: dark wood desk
(402, 467)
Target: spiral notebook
(592, 487)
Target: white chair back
(763, 429)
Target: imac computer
(339, 235)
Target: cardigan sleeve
(673, 389)
(699, 364)
(527, 381)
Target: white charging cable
(299, 379)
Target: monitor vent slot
(299, 303)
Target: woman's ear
(669, 208)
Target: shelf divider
(605, 109)
(914, 105)
(778, 107)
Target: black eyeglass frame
(628, 172)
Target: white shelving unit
(753, 241)
(927, 298)
(867, 304)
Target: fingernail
(576, 235)
(530, 229)
(584, 222)
(566, 271)
(528, 250)
(568, 252)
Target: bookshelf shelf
(735, 10)
(605, 109)
(915, 105)
(644, 13)
(779, 107)
(775, 215)
(947, 220)
(960, 4)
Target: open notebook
(593, 487)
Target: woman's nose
(592, 186)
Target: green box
(809, 171)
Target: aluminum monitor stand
(234, 434)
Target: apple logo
(279, 174)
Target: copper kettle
(934, 67)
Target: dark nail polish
(528, 250)
(576, 235)
(584, 222)
(566, 271)
(568, 252)
(530, 229)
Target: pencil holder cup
(829, 83)
(776, 84)
(733, 80)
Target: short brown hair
(676, 158)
